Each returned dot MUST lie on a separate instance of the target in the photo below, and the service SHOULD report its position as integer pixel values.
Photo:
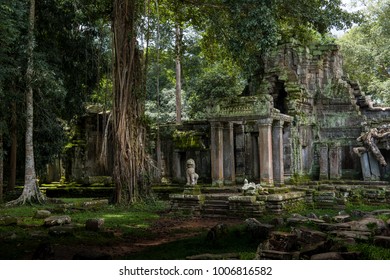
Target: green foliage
(366, 52)
(165, 112)
(221, 80)
(250, 28)
(371, 252)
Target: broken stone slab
(374, 225)
(337, 256)
(380, 212)
(307, 235)
(357, 235)
(276, 255)
(342, 218)
(313, 249)
(57, 220)
(281, 241)
(95, 203)
(382, 241)
(302, 219)
(257, 229)
(94, 224)
(333, 227)
(42, 214)
(8, 221)
(327, 256)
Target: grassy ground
(142, 231)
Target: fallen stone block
(57, 220)
(382, 241)
(327, 256)
(42, 214)
(8, 221)
(94, 224)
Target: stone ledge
(285, 196)
(242, 199)
(187, 196)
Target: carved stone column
(335, 161)
(265, 151)
(240, 153)
(277, 153)
(176, 168)
(216, 149)
(324, 162)
(229, 174)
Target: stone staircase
(216, 205)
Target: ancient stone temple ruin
(306, 122)
(305, 133)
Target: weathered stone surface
(309, 235)
(282, 241)
(327, 256)
(94, 224)
(357, 235)
(331, 227)
(370, 224)
(41, 214)
(95, 203)
(256, 229)
(312, 249)
(8, 220)
(342, 218)
(57, 220)
(276, 255)
(382, 241)
(381, 212)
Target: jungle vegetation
(149, 62)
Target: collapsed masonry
(306, 119)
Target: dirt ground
(164, 230)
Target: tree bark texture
(178, 43)
(31, 192)
(128, 108)
(1, 166)
(13, 150)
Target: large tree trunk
(1, 166)
(178, 43)
(31, 192)
(128, 128)
(13, 150)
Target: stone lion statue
(192, 176)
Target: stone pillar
(176, 168)
(265, 151)
(216, 150)
(335, 162)
(287, 151)
(240, 153)
(324, 162)
(277, 153)
(229, 173)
